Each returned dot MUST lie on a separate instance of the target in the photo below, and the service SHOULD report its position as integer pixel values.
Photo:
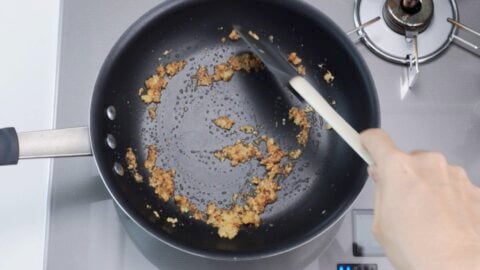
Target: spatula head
(270, 55)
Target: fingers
(372, 171)
(378, 144)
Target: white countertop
(29, 31)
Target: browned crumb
(155, 84)
(238, 153)
(151, 160)
(161, 71)
(328, 77)
(301, 70)
(174, 67)
(224, 122)
(223, 72)
(246, 62)
(188, 207)
(295, 154)
(265, 193)
(131, 159)
(162, 182)
(223, 39)
(172, 221)
(234, 35)
(138, 177)
(288, 169)
(248, 129)
(203, 78)
(253, 35)
(300, 119)
(274, 154)
(294, 59)
(228, 221)
(152, 113)
(132, 165)
(255, 180)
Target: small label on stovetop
(356, 266)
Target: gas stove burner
(408, 15)
(406, 23)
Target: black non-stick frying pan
(326, 179)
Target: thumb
(378, 144)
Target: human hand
(427, 212)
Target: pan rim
(309, 11)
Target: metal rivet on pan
(111, 142)
(111, 112)
(118, 169)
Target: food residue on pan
(239, 152)
(295, 154)
(300, 119)
(234, 36)
(246, 62)
(229, 220)
(203, 78)
(301, 70)
(328, 77)
(223, 39)
(248, 129)
(296, 61)
(132, 165)
(151, 160)
(224, 122)
(152, 112)
(162, 182)
(270, 38)
(188, 207)
(156, 83)
(225, 71)
(253, 35)
(174, 67)
(172, 220)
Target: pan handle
(43, 144)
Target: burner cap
(408, 15)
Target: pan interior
(326, 179)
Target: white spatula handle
(321, 106)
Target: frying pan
(326, 179)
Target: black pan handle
(43, 144)
(9, 148)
